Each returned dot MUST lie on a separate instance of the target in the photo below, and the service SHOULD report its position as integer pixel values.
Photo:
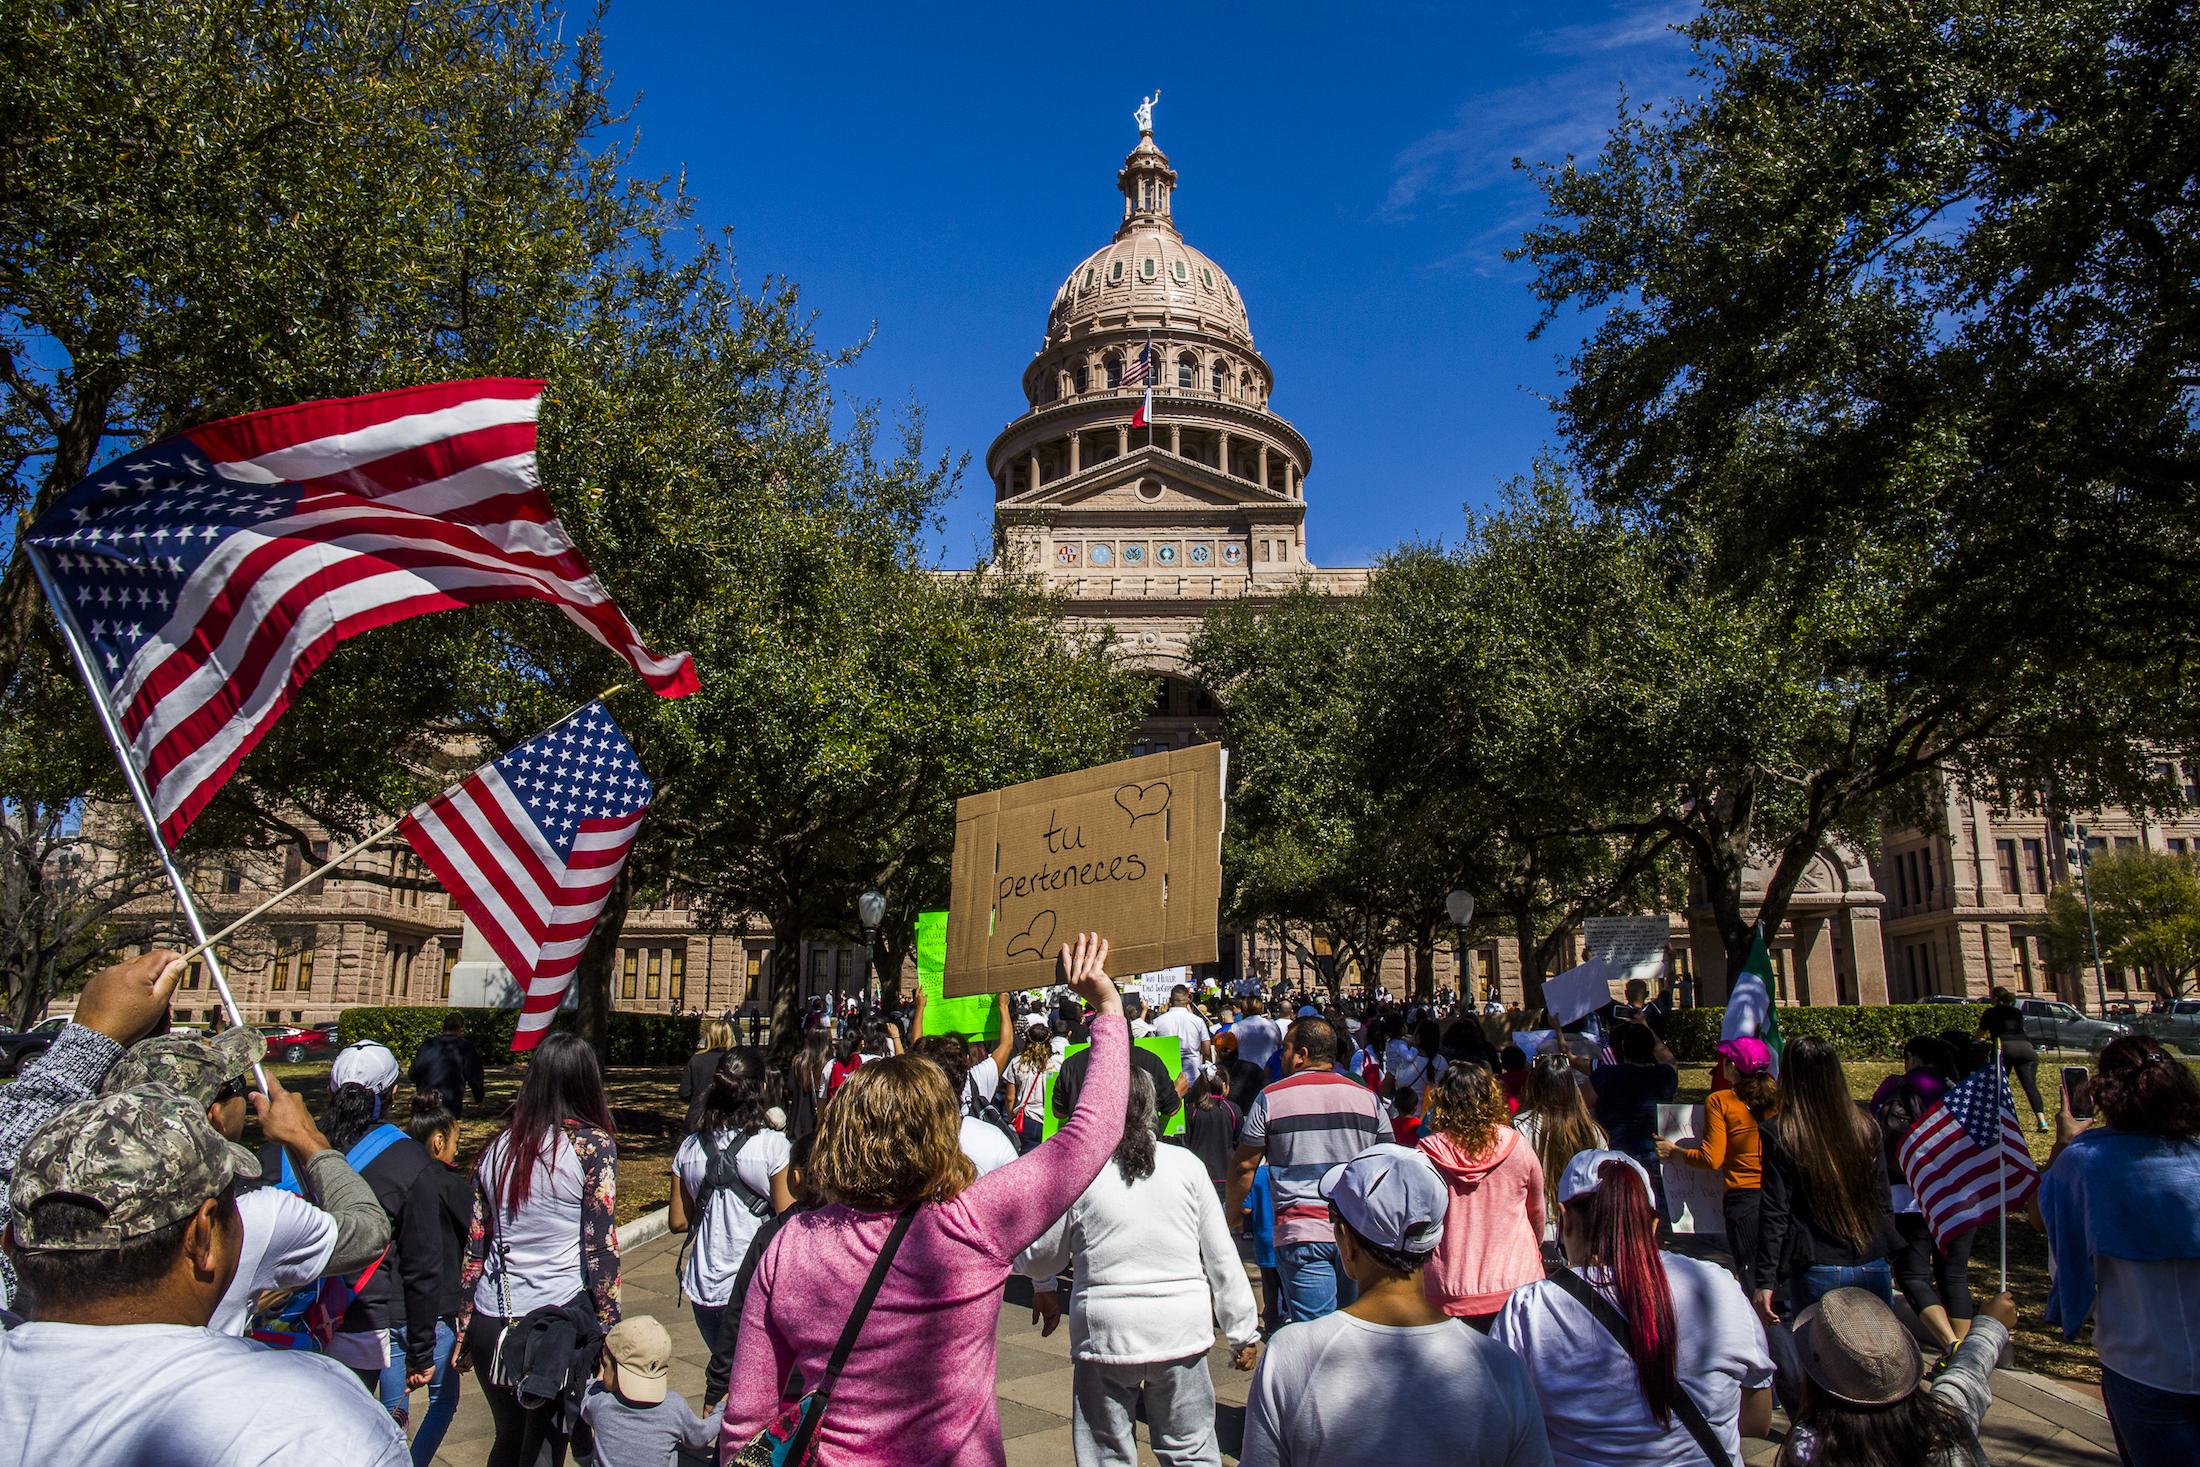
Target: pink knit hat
(1745, 1056)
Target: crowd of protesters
(1458, 1217)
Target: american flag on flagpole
(209, 574)
(530, 846)
(1966, 1159)
(1141, 370)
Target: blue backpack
(309, 1320)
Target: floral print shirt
(599, 1240)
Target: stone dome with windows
(1146, 520)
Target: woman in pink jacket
(918, 1387)
(1493, 1229)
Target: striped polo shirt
(1307, 1123)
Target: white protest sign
(1531, 1041)
(1155, 988)
(1578, 991)
(1694, 1195)
(1633, 947)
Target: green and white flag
(1750, 1011)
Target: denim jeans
(2154, 1428)
(442, 1391)
(1821, 1279)
(1314, 1282)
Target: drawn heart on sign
(1032, 941)
(1139, 801)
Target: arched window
(1187, 371)
(1113, 364)
(1245, 386)
(1077, 377)
(1218, 380)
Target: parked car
(293, 1045)
(2053, 1024)
(2178, 1026)
(17, 1050)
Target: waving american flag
(530, 846)
(1966, 1159)
(207, 575)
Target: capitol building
(1146, 522)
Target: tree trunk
(592, 998)
(785, 976)
(1531, 959)
(1424, 966)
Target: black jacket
(1789, 1238)
(552, 1353)
(1071, 1078)
(408, 1288)
(457, 1199)
(450, 1065)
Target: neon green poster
(979, 1016)
(1163, 1047)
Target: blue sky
(934, 172)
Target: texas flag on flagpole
(1141, 370)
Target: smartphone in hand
(2077, 1085)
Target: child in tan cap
(639, 1421)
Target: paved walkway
(2034, 1421)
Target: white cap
(1580, 1177)
(1393, 1196)
(368, 1063)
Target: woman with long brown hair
(1827, 1221)
(1493, 1224)
(1555, 1120)
(917, 1385)
(544, 1236)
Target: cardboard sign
(1162, 1047)
(979, 1018)
(1578, 991)
(1131, 850)
(1632, 947)
(1694, 1195)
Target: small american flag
(209, 574)
(1141, 367)
(1963, 1152)
(529, 846)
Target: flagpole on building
(2001, 1158)
(135, 779)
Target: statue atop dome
(1144, 114)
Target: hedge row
(1855, 1033)
(636, 1039)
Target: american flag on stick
(530, 846)
(208, 575)
(1965, 1158)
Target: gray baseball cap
(1393, 1196)
(138, 1159)
(192, 1065)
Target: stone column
(1122, 439)
(1176, 443)
(1814, 954)
(1222, 450)
(1033, 470)
(1076, 442)
(1867, 949)
(1291, 477)
(1264, 466)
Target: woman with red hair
(1637, 1355)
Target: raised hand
(1084, 966)
(125, 1001)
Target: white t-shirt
(985, 1078)
(1592, 1407)
(1258, 1037)
(986, 1147)
(542, 1240)
(1188, 1029)
(1140, 1029)
(1339, 1389)
(1027, 1086)
(169, 1395)
(723, 1233)
(287, 1243)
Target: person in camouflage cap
(208, 1070)
(108, 1172)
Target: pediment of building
(1148, 479)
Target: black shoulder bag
(1684, 1406)
(787, 1441)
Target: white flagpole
(135, 779)
(2001, 1158)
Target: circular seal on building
(1165, 554)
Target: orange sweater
(1731, 1145)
